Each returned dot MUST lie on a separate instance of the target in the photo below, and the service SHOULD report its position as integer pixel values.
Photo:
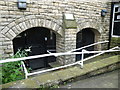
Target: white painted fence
(61, 54)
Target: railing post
(25, 70)
(82, 57)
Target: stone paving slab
(76, 70)
(47, 78)
(64, 74)
(58, 76)
(26, 83)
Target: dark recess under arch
(85, 37)
(40, 40)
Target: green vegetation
(115, 41)
(12, 71)
(0, 74)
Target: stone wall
(49, 14)
(115, 41)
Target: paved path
(107, 80)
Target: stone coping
(62, 75)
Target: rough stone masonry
(49, 14)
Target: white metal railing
(61, 54)
(50, 54)
(88, 46)
(78, 62)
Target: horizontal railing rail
(78, 62)
(88, 46)
(115, 49)
(52, 54)
(46, 55)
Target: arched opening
(85, 37)
(39, 40)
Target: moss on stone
(47, 78)
(115, 41)
(7, 85)
(64, 74)
(70, 24)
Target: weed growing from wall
(12, 71)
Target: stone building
(57, 26)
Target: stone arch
(89, 24)
(93, 26)
(21, 24)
